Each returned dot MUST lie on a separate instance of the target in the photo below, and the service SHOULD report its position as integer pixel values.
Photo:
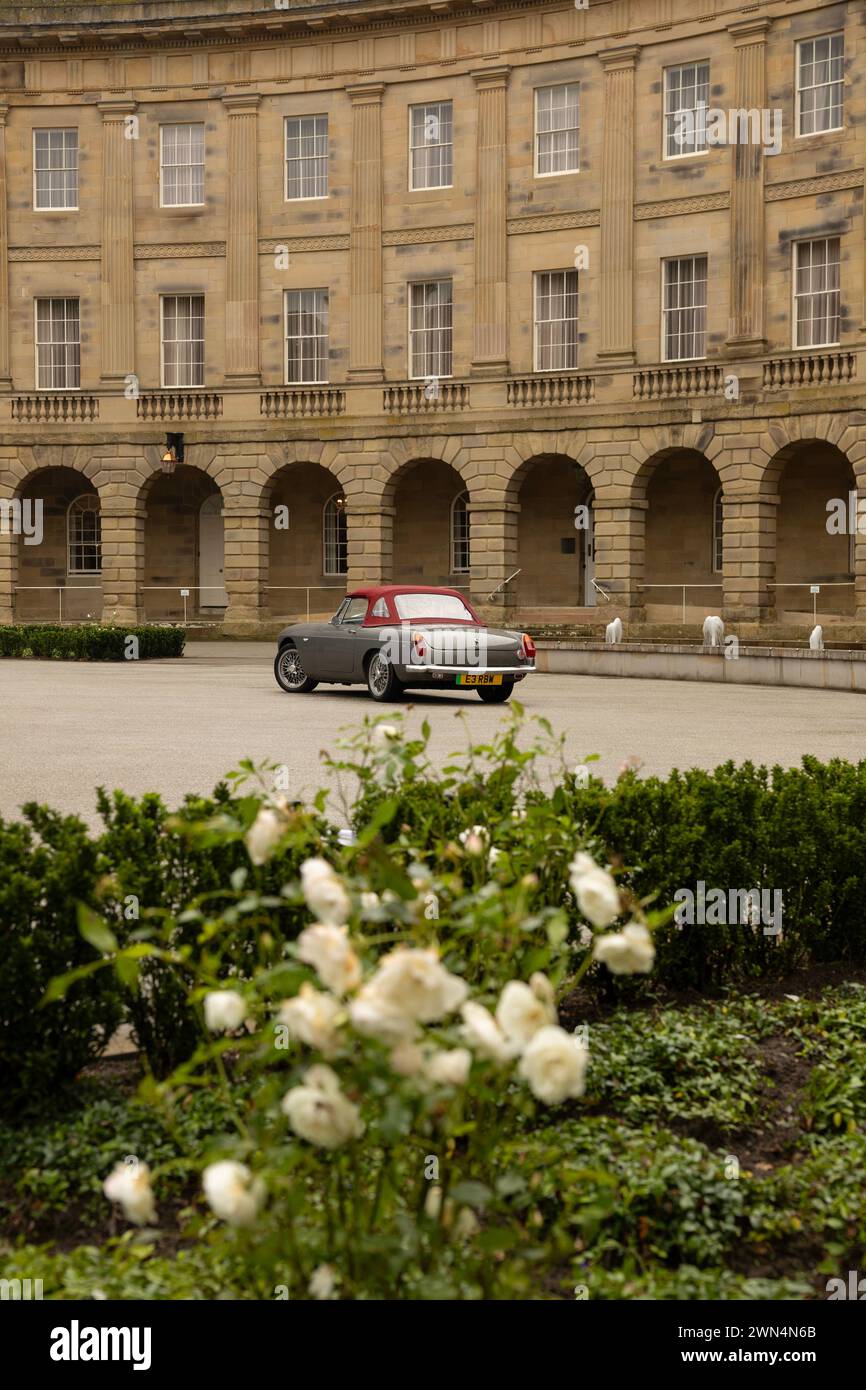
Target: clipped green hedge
(89, 642)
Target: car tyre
(290, 674)
(382, 681)
(495, 694)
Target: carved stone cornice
(419, 236)
(682, 207)
(552, 222)
(821, 183)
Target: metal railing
(682, 587)
(59, 590)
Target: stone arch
(173, 558)
(679, 487)
(812, 541)
(305, 569)
(52, 578)
(405, 454)
(418, 502)
(552, 494)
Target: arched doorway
(555, 535)
(308, 551)
(431, 525)
(814, 544)
(183, 546)
(60, 561)
(683, 543)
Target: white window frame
(65, 130)
(795, 321)
(684, 153)
(330, 572)
(458, 542)
(55, 299)
(303, 159)
(425, 376)
(672, 260)
(798, 101)
(180, 125)
(96, 545)
(536, 348)
(718, 556)
(536, 133)
(430, 144)
(183, 294)
(325, 337)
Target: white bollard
(613, 632)
(714, 632)
(816, 639)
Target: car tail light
(419, 644)
(527, 648)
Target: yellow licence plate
(479, 680)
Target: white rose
(324, 892)
(232, 1193)
(406, 1058)
(597, 894)
(224, 1010)
(311, 1018)
(384, 734)
(483, 1034)
(369, 902)
(265, 832)
(415, 983)
(475, 840)
(450, 1068)
(323, 1282)
(376, 1017)
(328, 950)
(628, 952)
(523, 1009)
(554, 1064)
(318, 1111)
(129, 1185)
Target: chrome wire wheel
(378, 676)
(289, 672)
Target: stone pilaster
(118, 283)
(365, 234)
(8, 563)
(616, 277)
(493, 554)
(746, 331)
(619, 526)
(245, 566)
(490, 353)
(242, 241)
(370, 532)
(749, 555)
(122, 524)
(5, 366)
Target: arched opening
(813, 533)
(555, 536)
(59, 548)
(683, 543)
(308, 541)
(424, 494)
(183, 546)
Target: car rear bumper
(434, 675)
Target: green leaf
(471, 1193)
(95, 931)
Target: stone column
(242, 242)
(493, 554)
(246, 558)
(8, 558)
(122, 523)
(619, 524)
(370, 530)
(118, 284)
(5, 365)
(749, 555)
(490, 353)
(365, 234)
(746, 331)
(616, 276)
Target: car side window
(380, 609)
(354, 612)
(340, 613)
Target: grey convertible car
(393, 637)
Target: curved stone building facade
(560, 304)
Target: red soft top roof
(375, 591)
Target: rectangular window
(431, 145)
(183, 340)
(181, 165)
(687, 96)
(84, 535)
(819, 84)
(306, 335)
(557, 129)
(306, 157)
(58, 345)
(55, 170)
(556, 321)
(816, 292)
(684, 308)
(430, 329)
